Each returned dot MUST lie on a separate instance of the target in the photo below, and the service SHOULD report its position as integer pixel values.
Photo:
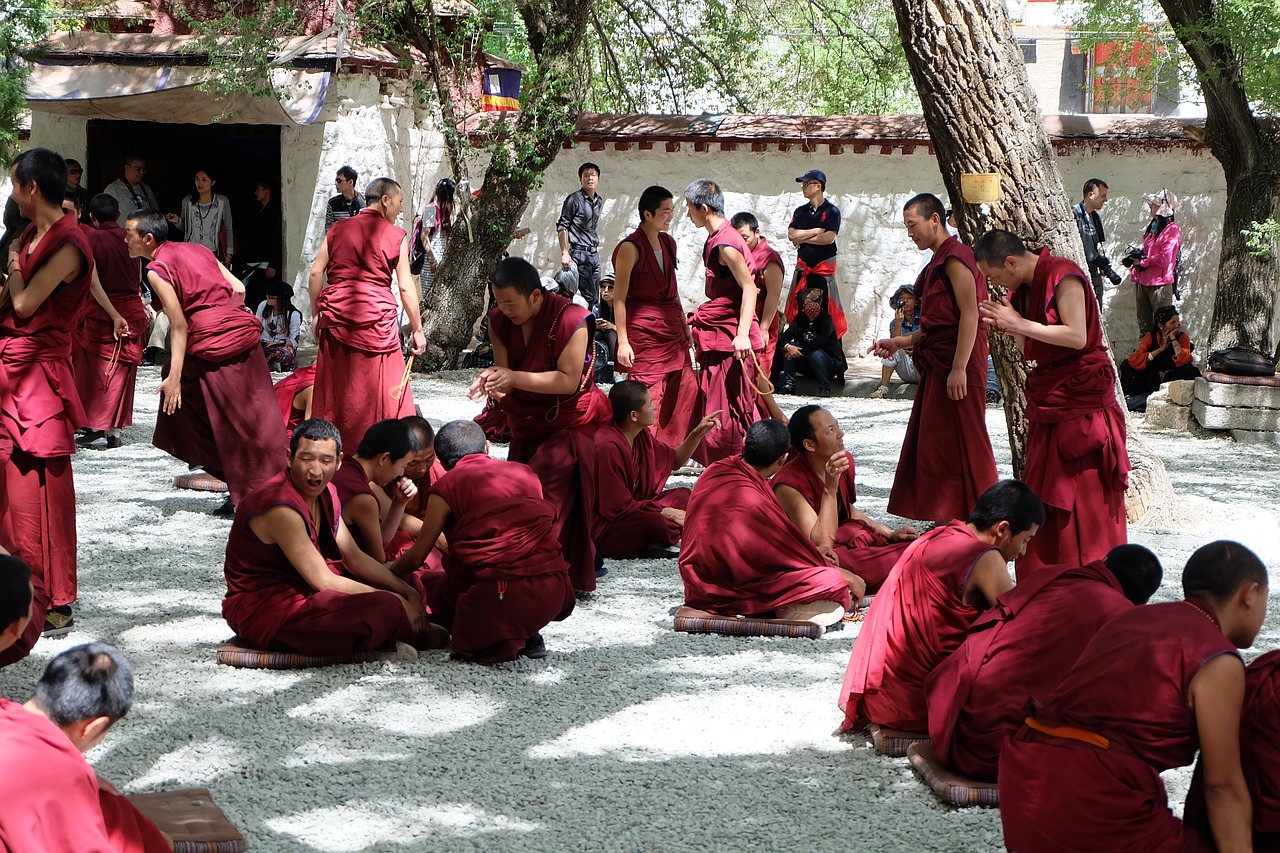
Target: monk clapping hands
(492, 382)
(1002, 315)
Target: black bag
(1240, 361)
(417, 254)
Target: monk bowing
(935, 592)
(297, 581)
(634, 514)
(726, 333)
(863, 546)
(505, 578)
(946, 460)
(1019, 650)
(1076, 457)
(1154, 685)
(742, 556)
(542, 378)
(295, 394)
(217, 408)
(50, 271)
(653, 334)
(360, 372)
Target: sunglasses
(75, 171)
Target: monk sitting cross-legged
(505, 576)
(1020, 649)
(741, 555)
(379, 461)
(633, 514)
(296, 580)
(1154, 685)
(868, 549)
(940, 585)
(422, 469)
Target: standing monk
(49, 277)
(1076, 458)
(543, 379)
(770, 272)
(653, 334)
(726, 333)
(1155, 684)
(360, 372)
(865, 547)
(217, 407)
(946, 460)
(107, 362)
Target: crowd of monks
(358, 528)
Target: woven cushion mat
(235, 653)
(693, 621)
(1227, 379)
(895, 742)
(192, 819)
(950, 786)
(199, 481)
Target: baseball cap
(813, 175)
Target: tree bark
(983, 118)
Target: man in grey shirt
(130, 192)
(576, 230)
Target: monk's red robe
(946, 461)
(917, 619)
(655, 329)
(229, 422)
(859, 547)
(1076, 458)
(762, 257)
(351, 483)
(130, 830)
(270, 606)
(724, 382)
(48, 793)
(554, 435)
(506, 578)
(106, 370)
(359, 367)
(40, 411)
(290, 387)
(629, 495)
(417, 507)
(39, 607)
(1018, 650)
(742, 555)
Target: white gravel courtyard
(628, 737)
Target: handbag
(417, 254)
(1240, 361)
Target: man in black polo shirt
(347, 203)
(813, 231)
(576, 231)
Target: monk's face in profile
(137, 243)
(420, 463)
(697, 215)
(313, 465)
(923, 230)
(1013, 545)
(387, 470)
(517, 308)
(827, 435)
(1002, 275)
(645, 415)
(9, 635)
(663, 215)
(751, 238)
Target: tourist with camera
(1153, 266)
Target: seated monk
(18, 631)
(634, 516)
(1020, 649)
(506, 577)
(379, 461)
(296, 580)
(294, 393)
(423, 469)
(1156, 683)
(50, 799)
(935, 592)
(865, 547)
(741, 554)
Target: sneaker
(227, 510)
(90, 436)
(58, 622)
(114, 441)
(993, 397)
(661, 552)
(880, 393)
(824, 390)
(535, 648)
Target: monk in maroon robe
(294, 393)
(360, 372)
(106, 365)
(1076, 457)
(1020, 649)
(769, 275)
(865, 547)
(741, 555)
(653, 334)
(217, 408)
(1154, 685)
(422, 470)
(940, 585)
(726, 333)
(17, 604)
(377, 467)
(543, 378)
(505, 576)
(634, 514)
(296, 580)
(946, 460)
(50, 270)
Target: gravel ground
(627, 737)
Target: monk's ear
(88, 733)
(1003, 530)
(13, 631)
(809, 445)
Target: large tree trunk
(983, 117)
(1245, 302)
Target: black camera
(1133, 254)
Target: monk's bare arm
(988, 581)
(737, 265)
(392, 511)
(316, 278)
(119, 325)
(772, 294)
(567, 375)
(624, 262)
(229, 277)
(1216, 696)
(965, 288)
(1070, 331)
(367, 569)
(361, 513)
(695, 436)
(408, 283)
(433, 519)
(171, 388)
(66, 264)
(803, 515)
(284, 527)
